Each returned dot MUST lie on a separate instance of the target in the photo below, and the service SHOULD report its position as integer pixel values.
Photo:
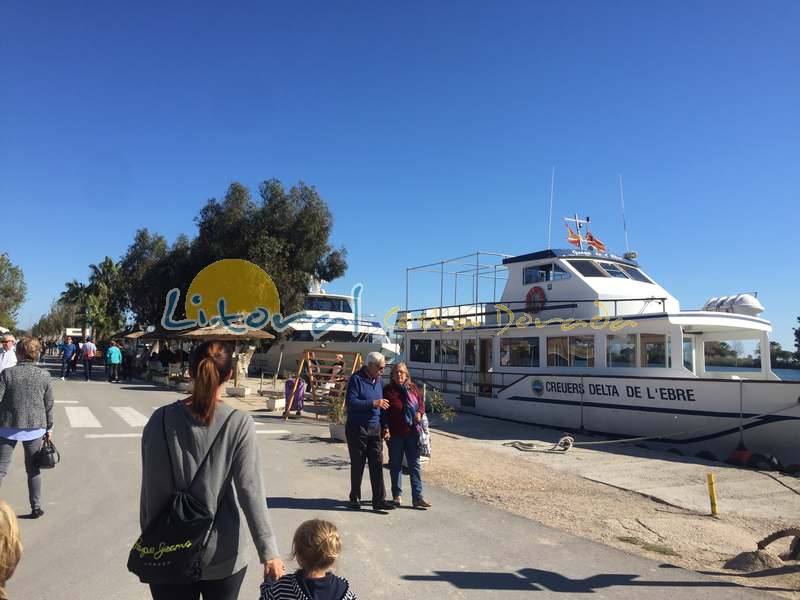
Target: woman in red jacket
(406, 407)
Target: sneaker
(36, 513)
(354, 505)
(397, 500)
(421, 503)
(383, 506)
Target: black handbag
(47, 457)
(171, 548)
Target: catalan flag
(594, 242)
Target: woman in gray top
(191, 426)
(26, 415)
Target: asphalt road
(457, 549)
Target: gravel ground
(618, 518)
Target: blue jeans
(398, 446)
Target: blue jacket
(362, 391)
(69, 350)
(113, 355)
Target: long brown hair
(210, 365)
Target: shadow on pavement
(537, 579)
(328, 461)
(308, 503)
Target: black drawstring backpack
(171, 548)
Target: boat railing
(431, 317)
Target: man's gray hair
(376, 358)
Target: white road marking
(81, 416)
(95, 436)
(131, 416)
(66, 401)
(273, 431)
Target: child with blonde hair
(315, 546)
(10, 546)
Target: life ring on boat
(535, 299)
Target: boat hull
(691, 415)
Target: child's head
(316, 545)
(10, 545)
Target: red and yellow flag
(572, 238)
(594, 242)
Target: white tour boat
(584, 340)
(344, 330)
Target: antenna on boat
(550, 220)
(629, 254)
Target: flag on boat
(594, 242)
(573, 239)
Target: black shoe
(421, 503)
(354, 505)
(36, 513)
(383, 506)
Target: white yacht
(343, 330)
(585, 340)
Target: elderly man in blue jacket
(364, 430)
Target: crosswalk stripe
(95, 436)
(272, 431)
(81, 416)
(65, 401)
(131, 416)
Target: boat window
(558, 351)
(581, 351)
(469, 352)
(420, 351)
(732, 355)
(519, 352)
(540, 273)
(327, 304)
(301, 336)
(653, 350)
(446, 352)
(636, 274)
(587, 268)
(621, 350)
(688, 353)
(613, 270)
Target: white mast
(550, 220)
(624, 224)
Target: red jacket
(394, 394)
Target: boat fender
(535, 299)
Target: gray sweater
(26, 398)
(236, 452)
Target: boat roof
(569, 253)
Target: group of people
(376, 414)
(72, 354)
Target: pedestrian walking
(26, 415)
(207, 448)
(8, 353)
(404, 415)
(67, 352)
(364, 431)
(113, 360)
(76, 358)
(89, 351)
(315, 547)
(10, 546)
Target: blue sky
(429, 128)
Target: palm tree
(77, 295)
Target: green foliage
(436, 405)
(12, 291)
(337, 412)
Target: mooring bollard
(712, 494)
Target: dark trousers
(365, 446)
(34, 474)
(213, 589)
(67, 367)
(113, 372)
(87, 368)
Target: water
(784, 374)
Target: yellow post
(712, 494)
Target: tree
(76, 294)
(797, 341)
(12, 291)
(146, 251)
(105, 300)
